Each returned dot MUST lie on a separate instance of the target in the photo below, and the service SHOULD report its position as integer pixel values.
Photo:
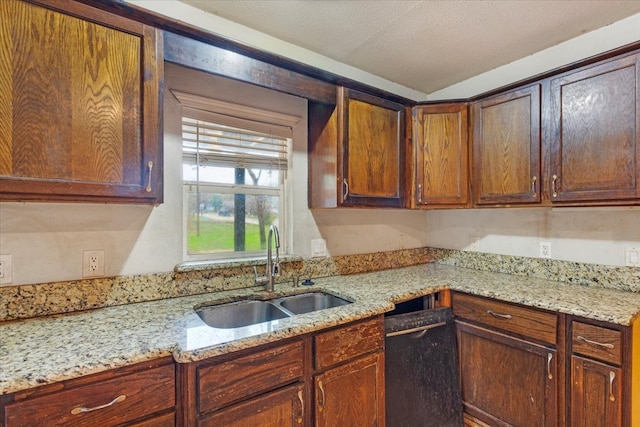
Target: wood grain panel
(344, 343)
(596, 394)
(505, 380)
(524, 321)
(351, 395)
(80, 92)
(323, 156)
(506, 147)
(373, 150)
(147, 392)
(597, 342)
(279, 408)
(225, 382)
(441, 155)
(595, 153)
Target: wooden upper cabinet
(506, 148)
(595, 152)
(371, 135)
(79, 104)
(440, 156)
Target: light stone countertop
(55, 348)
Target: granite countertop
(55, 348)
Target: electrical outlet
(545, 249)
(5, 269)
(632, 257)
(318, 248)
(92, 263)
(474, 243)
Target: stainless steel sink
(252, 312)
(305, 303)
(238, 314)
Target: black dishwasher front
(422, 385)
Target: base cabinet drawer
(112, 402)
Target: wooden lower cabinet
(142, 395)
(350, 395)
(506, 380)
(334, 377)
(283, 407)
(596, 394)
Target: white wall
(46, 240)
(589, 235)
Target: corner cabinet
(357, 152)
(595, 133)
(507, 147)
(80, 115)
(509, 368)
(440, 156)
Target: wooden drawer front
(597, 342)
(344, 343)
(220, 384)
(524, 321)
(145, 392)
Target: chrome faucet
(273, 268)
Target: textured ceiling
(423, 45)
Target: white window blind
(213, 139)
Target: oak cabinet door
(507, 381)
(79, 104)
(351, 395)
(441, 158)
(594, 147)
(506, 148)
(371, 133)
(596, 394)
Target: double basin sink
(250, 312)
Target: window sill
(190, 266)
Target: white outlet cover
(545, 249)
(93, 263)
(318, 248)
(5, 269)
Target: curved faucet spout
(272, 269)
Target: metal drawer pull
(498, 315)
(421, 330)
(612, 376)
(346, 190)
(596, 343)
(76, 411)
(420, 193)
(554, 191)
(321, 407)
(299, 419)
(549, 357)
(150, 166)
(534, 193)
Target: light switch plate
(632, 257)
(318, 248)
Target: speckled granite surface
(49, 349)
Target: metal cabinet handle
(596, 343)
(534, 181)
(498, 315)
(554, 190)
(82, 409)
(150, 167)
(321, 407)
(612, 376)
(549, 357)
(346, 190)
(420, 193)
(419, 331)
(300, 418)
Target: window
(235, 163)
